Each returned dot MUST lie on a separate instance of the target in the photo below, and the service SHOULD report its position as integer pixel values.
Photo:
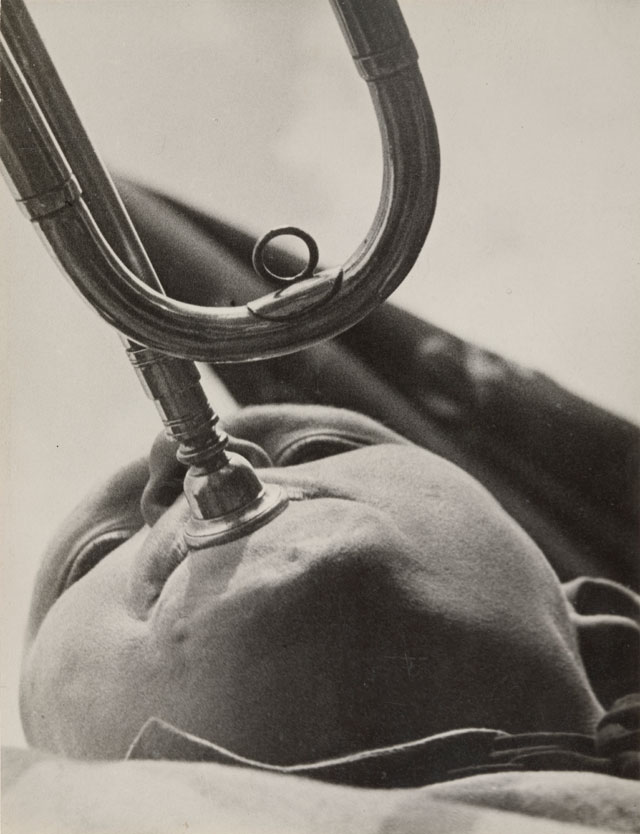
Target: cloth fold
(612, 751)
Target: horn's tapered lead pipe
(226, 498)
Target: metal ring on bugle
(384, 53)
(259, 250)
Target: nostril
(166, 494)
(166, 476)
(249, 450)
(157, 497)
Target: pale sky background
(253, 110)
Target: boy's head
(391, 600)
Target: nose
(166, 476)
(166, 473)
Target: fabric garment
(44, 794)
(613, 751)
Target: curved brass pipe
(99, 192)
(63, 188)
(308, 311)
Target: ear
(607, 620)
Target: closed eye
(91, 555)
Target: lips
(164, 547)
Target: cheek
(86, 677)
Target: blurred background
(253, 111)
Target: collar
(613, 750)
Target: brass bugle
(288, 320)
(61, 185)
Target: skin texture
(391, 600)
